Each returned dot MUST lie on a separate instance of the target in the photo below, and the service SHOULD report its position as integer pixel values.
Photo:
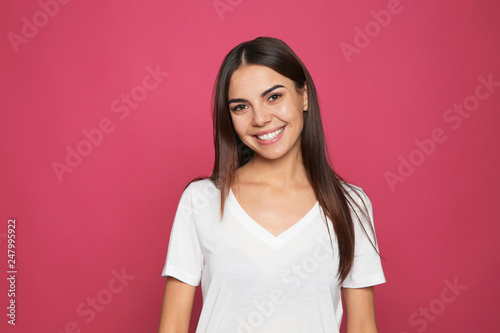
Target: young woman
(274, 235)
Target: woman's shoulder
(199, 195)
(202, 187)
(356, 193)
(199, 181)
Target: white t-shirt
(253, 281)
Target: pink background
(436, 224)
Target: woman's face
(267, 111)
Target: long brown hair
(231, 153)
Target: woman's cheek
(282, 110)
(239, 127)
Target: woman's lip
(273, 140)
(268, 131)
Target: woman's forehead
(255, 79)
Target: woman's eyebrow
(242, 100)
(271, 89)
(237, 100)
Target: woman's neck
(285, 172)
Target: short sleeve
(184, 259)
(367, 269)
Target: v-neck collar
(261, 232)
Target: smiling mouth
(270, 136)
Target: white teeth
(271, 135)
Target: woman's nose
(261, 116)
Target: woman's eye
(238, 107)
(274, 97)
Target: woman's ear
(305, 97)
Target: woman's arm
(177, 305)
(360, 310)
